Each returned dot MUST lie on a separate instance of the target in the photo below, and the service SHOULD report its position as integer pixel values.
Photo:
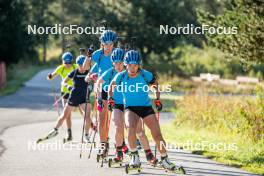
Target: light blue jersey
(103, 62)
(94, 68)
(108, 76)
(135, 90)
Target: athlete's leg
(153, 124)
(140, 133)
(87, 117)
(102, 122)
(118, 119)
(131, 120)
(65, 114)
(68, 119)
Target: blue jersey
(94, 68)
(135, 90)
(78, 80)
(103, 62)
(108, 76)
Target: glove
(110, 104)
(94, 76)
(90, 51)
(158, 104)
(49, 76)
(100, 105)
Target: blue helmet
(132, 57)
(118, 55)
(80, 59)
(67, 57)
(108, 36)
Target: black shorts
(104, 95)
(119, 106)
(77, 98)
(66, 96)
(141, 111)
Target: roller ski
(166, 164)
(134, 164)
(118, 159)
(50, 135)
(102, 155)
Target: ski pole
(95, 130)
(56, 102)
(85, 112)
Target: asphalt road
(24, 118)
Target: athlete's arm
(87, 63)
(99, 84)
(111, 88)
(52, 75)
(155, 85)
(64, 82)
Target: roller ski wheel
(129, 168)
(66, 140)
(115, 161)
(40, 140)
(178, 170)
(171, 167)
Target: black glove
(90, 51)
(69, 88)
(49, 76)
(110, 104)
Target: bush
(222, 114)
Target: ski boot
(134, 163)
(152, 160)
(125, 149)
(118, 159)
(171, 167)
(103, 153)
(68, 138)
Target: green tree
(248, 17)
(15, 43)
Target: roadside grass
(234, 123)
(234, 150)
(19, 73)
